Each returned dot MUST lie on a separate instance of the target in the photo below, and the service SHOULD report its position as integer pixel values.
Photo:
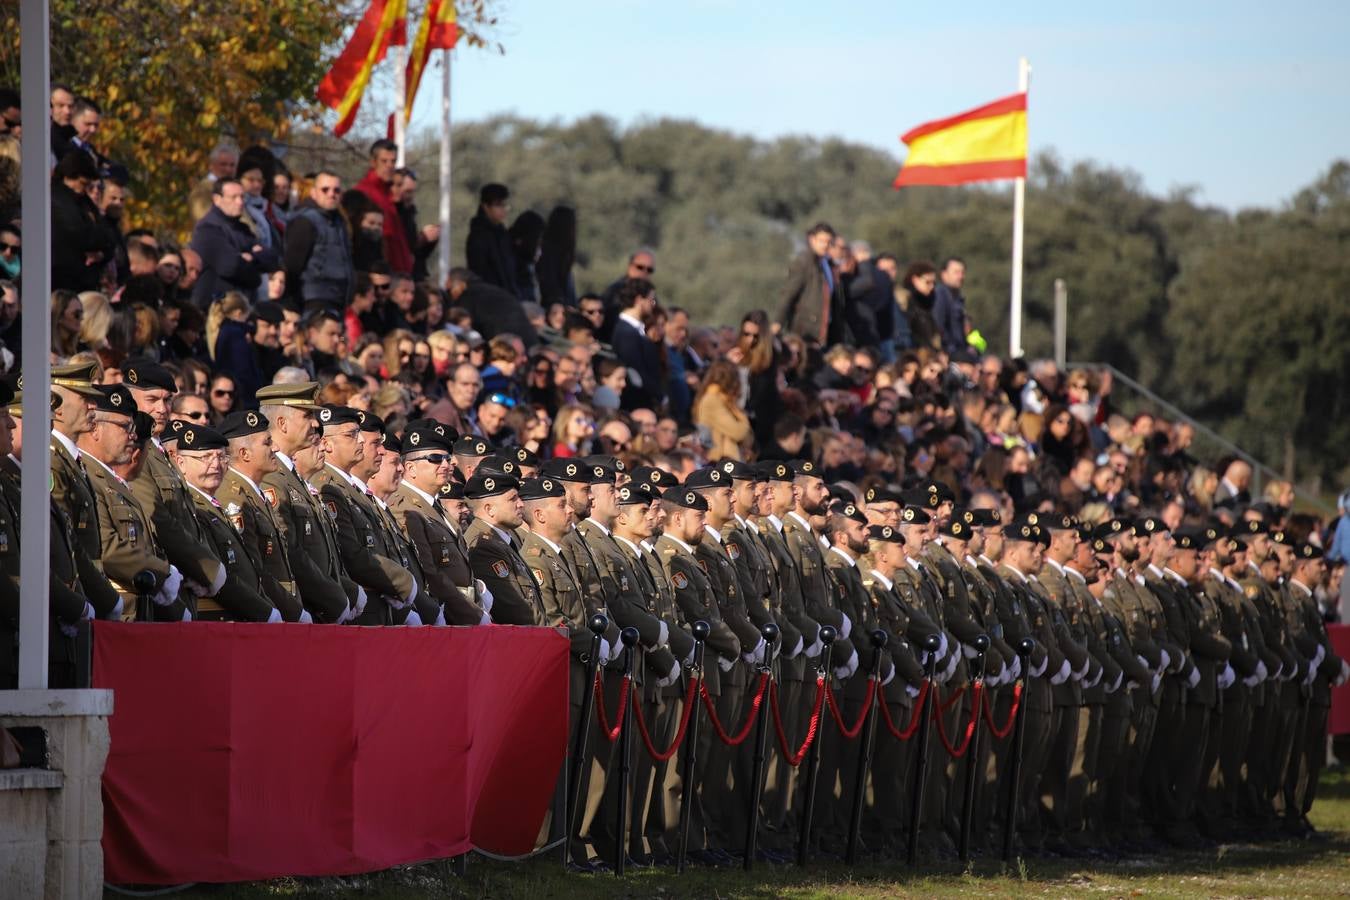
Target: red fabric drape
(244, 751)
(1339, 722)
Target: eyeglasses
(382, 287)
(503, 399)
(329, 190)
(434, 458)
(8, 249)
(195, 416)
(648, 270)
(221, 392)
(129, 426)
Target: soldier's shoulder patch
(270, 495)
(331, 506)
(623, 583)
(680, 580)
(237, 522)
(1251, 591)
(733, 550)
(703, 564)
(500, 569)
(538, 575)
(232, 510)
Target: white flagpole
(1019, 215)
(400, 56)
(443, 250)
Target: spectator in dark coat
(527, 234)
(949, 305)
(492, 309)
(919, 280)
(318, 247)
(232, 260)
(422, 240)
(488, 250)
(556, 257)
(637, 299)
(641, 264)
(808, 305)
(81, 245)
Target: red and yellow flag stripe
(984, 144)
(383, 24)
(438, 31)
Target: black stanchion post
(629, 636)
(930, 645)
(1024, 648)
(973, 751)
(701, 630)
(827, 636)
(597, 624)
(143, 583)
(770, 634)
(879, 640)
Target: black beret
(849, 510)
(148, 376)
(652, 475)
(445, 431)
(804, 468)
(1249, 528)
(882, 494)
(243, 423)
(174, 429)
(451, 490)
(541, 489)
(921, 497)
(525, 457)
(488, 484)
(686, 498)
(145, 426)
(638, 492)
(268, 311)
(471, 445)
(1308, 551)
(1149, 526)
(1191, 537)
(1100, 546)
(1111, 528)
(944, 493)
(1024, 529)
(987, 518)
(415, 439)
(501, 463)
(199, 437)
(915, 515)
(965, 516)
(707, 478)
(736, 470)
(601, 473)
(1056, 522)
(885, 533)
(955, 528)
(776, 470)
(609, 462)
(369, 421)
(572, 470)
(391, 442)
(1282, 537)
(114, 398)
(330, 416)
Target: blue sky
(1246, 101)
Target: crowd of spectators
(869, 366)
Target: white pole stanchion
(400, 57)
(35, 517)
(443, 251)
(1019, 214)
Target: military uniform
(73, 494)
(370, 560)
(241, 598)
(253, 517)
(444, 554)
(163, 495)
(309, 533)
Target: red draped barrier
(242, 752)
(1339, 723)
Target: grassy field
(1277, 869)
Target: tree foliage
(1242, 319)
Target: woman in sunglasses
(221, 396)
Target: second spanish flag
(984, 144)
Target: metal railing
(1260, 471)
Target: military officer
(162, 492)
(351, 456)
(325, 589)
(201, 458)
(469, 451)
(130, 546)
(426, 468)
(250, 459)
(493, 554)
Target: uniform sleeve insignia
(733, 550)
(538, 575)
(331, 506)
(232, 510)
(499, 569)
(704, 566)
(237, 522)
(623, 583)
(680, 580)
(270, 495)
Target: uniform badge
(704, 566)
(680, 580)
(370, 539)
(499, 569)
(733, 550)
(270, 495)
(4, 543)
(229, 556)
(233, 509)
(237, 522)
(267, 547)
(538, 575)
(309, 528)
(295, 497)
(445, 554)
(623, 583)
(331, 506)
(131, 532)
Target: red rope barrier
(915, 716)
(1006, 730)
(977, 694)
(795, 759)
(851, 733)
(611, 733)
(749, 720)
(679, 734)
(952, 700)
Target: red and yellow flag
(438, 31)
(383, 25)
(984, 144)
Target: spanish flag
(438, 31)
(384, 24)
(984, 144)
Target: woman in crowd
(573, 431)
(918, 284)
(527, 233)
(67, 320)
(557, 255)
(221, 396)
(717, 407)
